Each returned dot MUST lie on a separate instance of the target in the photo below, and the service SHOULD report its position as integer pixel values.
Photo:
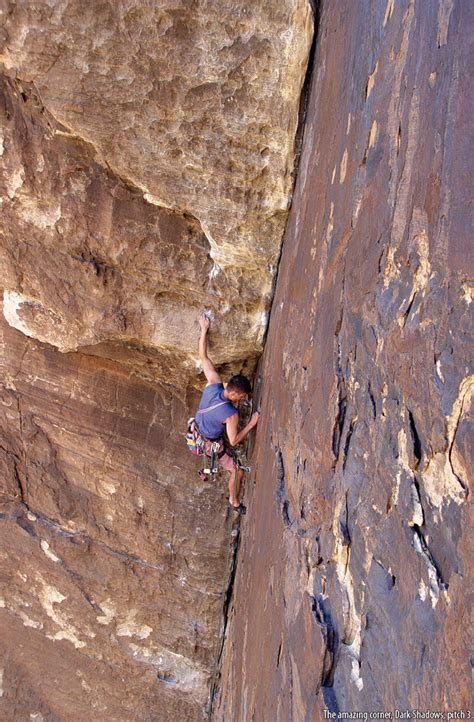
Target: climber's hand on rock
(254, 419)
(204, 322)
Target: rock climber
(217, 414)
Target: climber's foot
(239, 508)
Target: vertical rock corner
(148, 158)
(148, 163)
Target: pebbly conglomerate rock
(354, 580)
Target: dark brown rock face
(352, 589)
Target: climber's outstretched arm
(207, 366)
(235, 436)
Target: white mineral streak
(109, 610)
(467, 293)
(15, 182)
(106, 488)
(41, 217)
(28, 622)
(422, 590)
(403, 460)
(130, 628)
(50, 598)
(12, 302)
(354, 651)
(417, 517)
(352, 620)
(432, 575)
(174, 668)
(150, 198)
(443, 471)
(343, 167)
(439, 371)
(45, 547)
(48, 330)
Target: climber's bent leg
(235, 480)
(228, 463)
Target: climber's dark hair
(239, 383)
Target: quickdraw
(213, 467)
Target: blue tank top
(212, 423)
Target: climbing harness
(199, 445)
(211, 449)
(195, 440)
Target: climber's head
(238, 388)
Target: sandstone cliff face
(149, 148)
(113, 558)
(353, 577)
(147, 165)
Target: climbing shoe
(241, 509)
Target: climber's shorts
(226, 461)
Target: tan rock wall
(195, 106)
(85, 259)
(195, 109)
(147, 157)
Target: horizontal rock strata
(353, 581)
(114, 553)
